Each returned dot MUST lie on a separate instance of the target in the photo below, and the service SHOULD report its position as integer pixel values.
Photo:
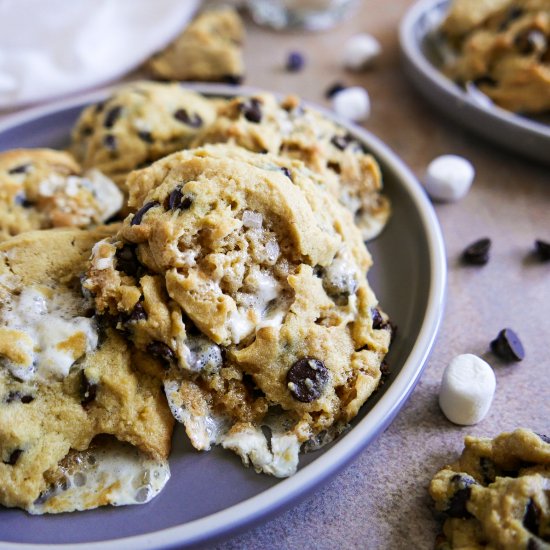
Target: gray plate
(212, 494)
(520, 134)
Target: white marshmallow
(449, 177)
(352, 103)
(467, 389)
(360, 51)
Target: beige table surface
(381, 499)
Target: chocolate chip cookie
(247, 281)
(502, 48)
(43, 188)
(497, 495)
(263, 124)
(80, 425)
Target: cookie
(209, 49)
(248, 283)
(43, 188)
(503, 48)
(138, 124)
(65, 381)
(263, 124)
(496, 494)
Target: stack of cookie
(229, 293)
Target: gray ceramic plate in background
(211, 494)
(522, 135)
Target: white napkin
(50, 48)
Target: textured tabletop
(381, 499)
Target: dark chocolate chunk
(457, 505)
(21, 169)
(477, 253)
(126, 260)
(287, 173)
(162, 351)
(22, 200)
(545, 438)
(145, 136)
(88, 390)
(334, 89)
(295, 62)
(14, 457)
(195, 121)
(307, 378)
(138, 314)
(542, 249)
(531, 517)
(377, 320)
(233, 79)
(177, 200)
(488, 470)
(18, 396)
(138, 216)
(530, 41)
(109, 141)
(508, 346)
(112, 116)
(252, 110)
(319, 271)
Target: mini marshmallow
(467, 389)
(360, 51)
(448, 178)
(352, 103)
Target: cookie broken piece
(497, 495)
(209, 49)
(137, 125)
(80, 427)
(503, 48)
(263, 124)
(43, 188)
(248, 282)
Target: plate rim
(424, 69)
(252, 510)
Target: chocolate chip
(485, 80)
(138, 216)
(145, 136)
(177, 200)
(162, 351)
(127, 261)
(341, 142)
(511, 15)
(334, 89)
(508, 346)
(530, 41)
(112, 116)
(18, 396)
(99, 106)
(88, 390)
(233, 79)
(22, 200)
(319, 271)
(377, 320)
(14, 457)
(545, 438)
(477, 253)
(21, 169)
(542, 248)
(252, 110)
(488, 470)
(109, 141)
(531, 517)
(295, 62)
(195, 121)
(457, 504)
(287, 173)
(307, 378)
(138, 314)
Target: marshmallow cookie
(137, 125)
(248, 283)
(209, 49)
(43, 188)
(502, 47)
(496, 494)
(80, 427)
(263, 124)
